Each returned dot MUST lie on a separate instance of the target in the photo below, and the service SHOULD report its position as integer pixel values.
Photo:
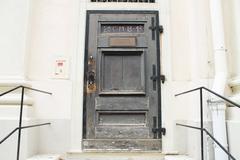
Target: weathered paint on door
(121, 95)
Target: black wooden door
(121, 89)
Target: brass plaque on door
(122, 41)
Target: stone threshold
(127, 145)
(111, 156)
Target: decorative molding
(235, 98)
(15, 99)
(234, 81)
(14, 82)
(235, 84)
(218, 106)
(216, 101)
(233, 114)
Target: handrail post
(201, 117)
(20, 124)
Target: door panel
(121, 99)
(122, 103)
(122, 72)
(121, 132)
(122, 118)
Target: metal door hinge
(154, 77)
(159, 28)
(155, 29)
(157, 130)
(161, 77)
(161, 130)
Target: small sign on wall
(61, 68)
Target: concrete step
(46, 157)
(178, 157)
(116, 156)
(111, 156)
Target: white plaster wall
(232, 31)
(9, 116)
(77, 76)
(191, 67)
(233, 129)
(13, 30)
(233, 133)
(190, 40)
(53, 33)
(14, 15)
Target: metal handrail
(34, 89)
(210, 135)
(216, 94)
(20, 127)
(24, 127)
(201, 112)
(9, 91)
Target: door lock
(91, 76)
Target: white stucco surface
(14, 22)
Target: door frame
(159, 103)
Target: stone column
(235, 48)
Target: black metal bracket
(155, 78)
(163, 78)
(160, 28)
(155, 28)
(159, 130)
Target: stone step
(111, 156)
(119, 145)
(116, 156)
(178, 157)
(46, 157)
